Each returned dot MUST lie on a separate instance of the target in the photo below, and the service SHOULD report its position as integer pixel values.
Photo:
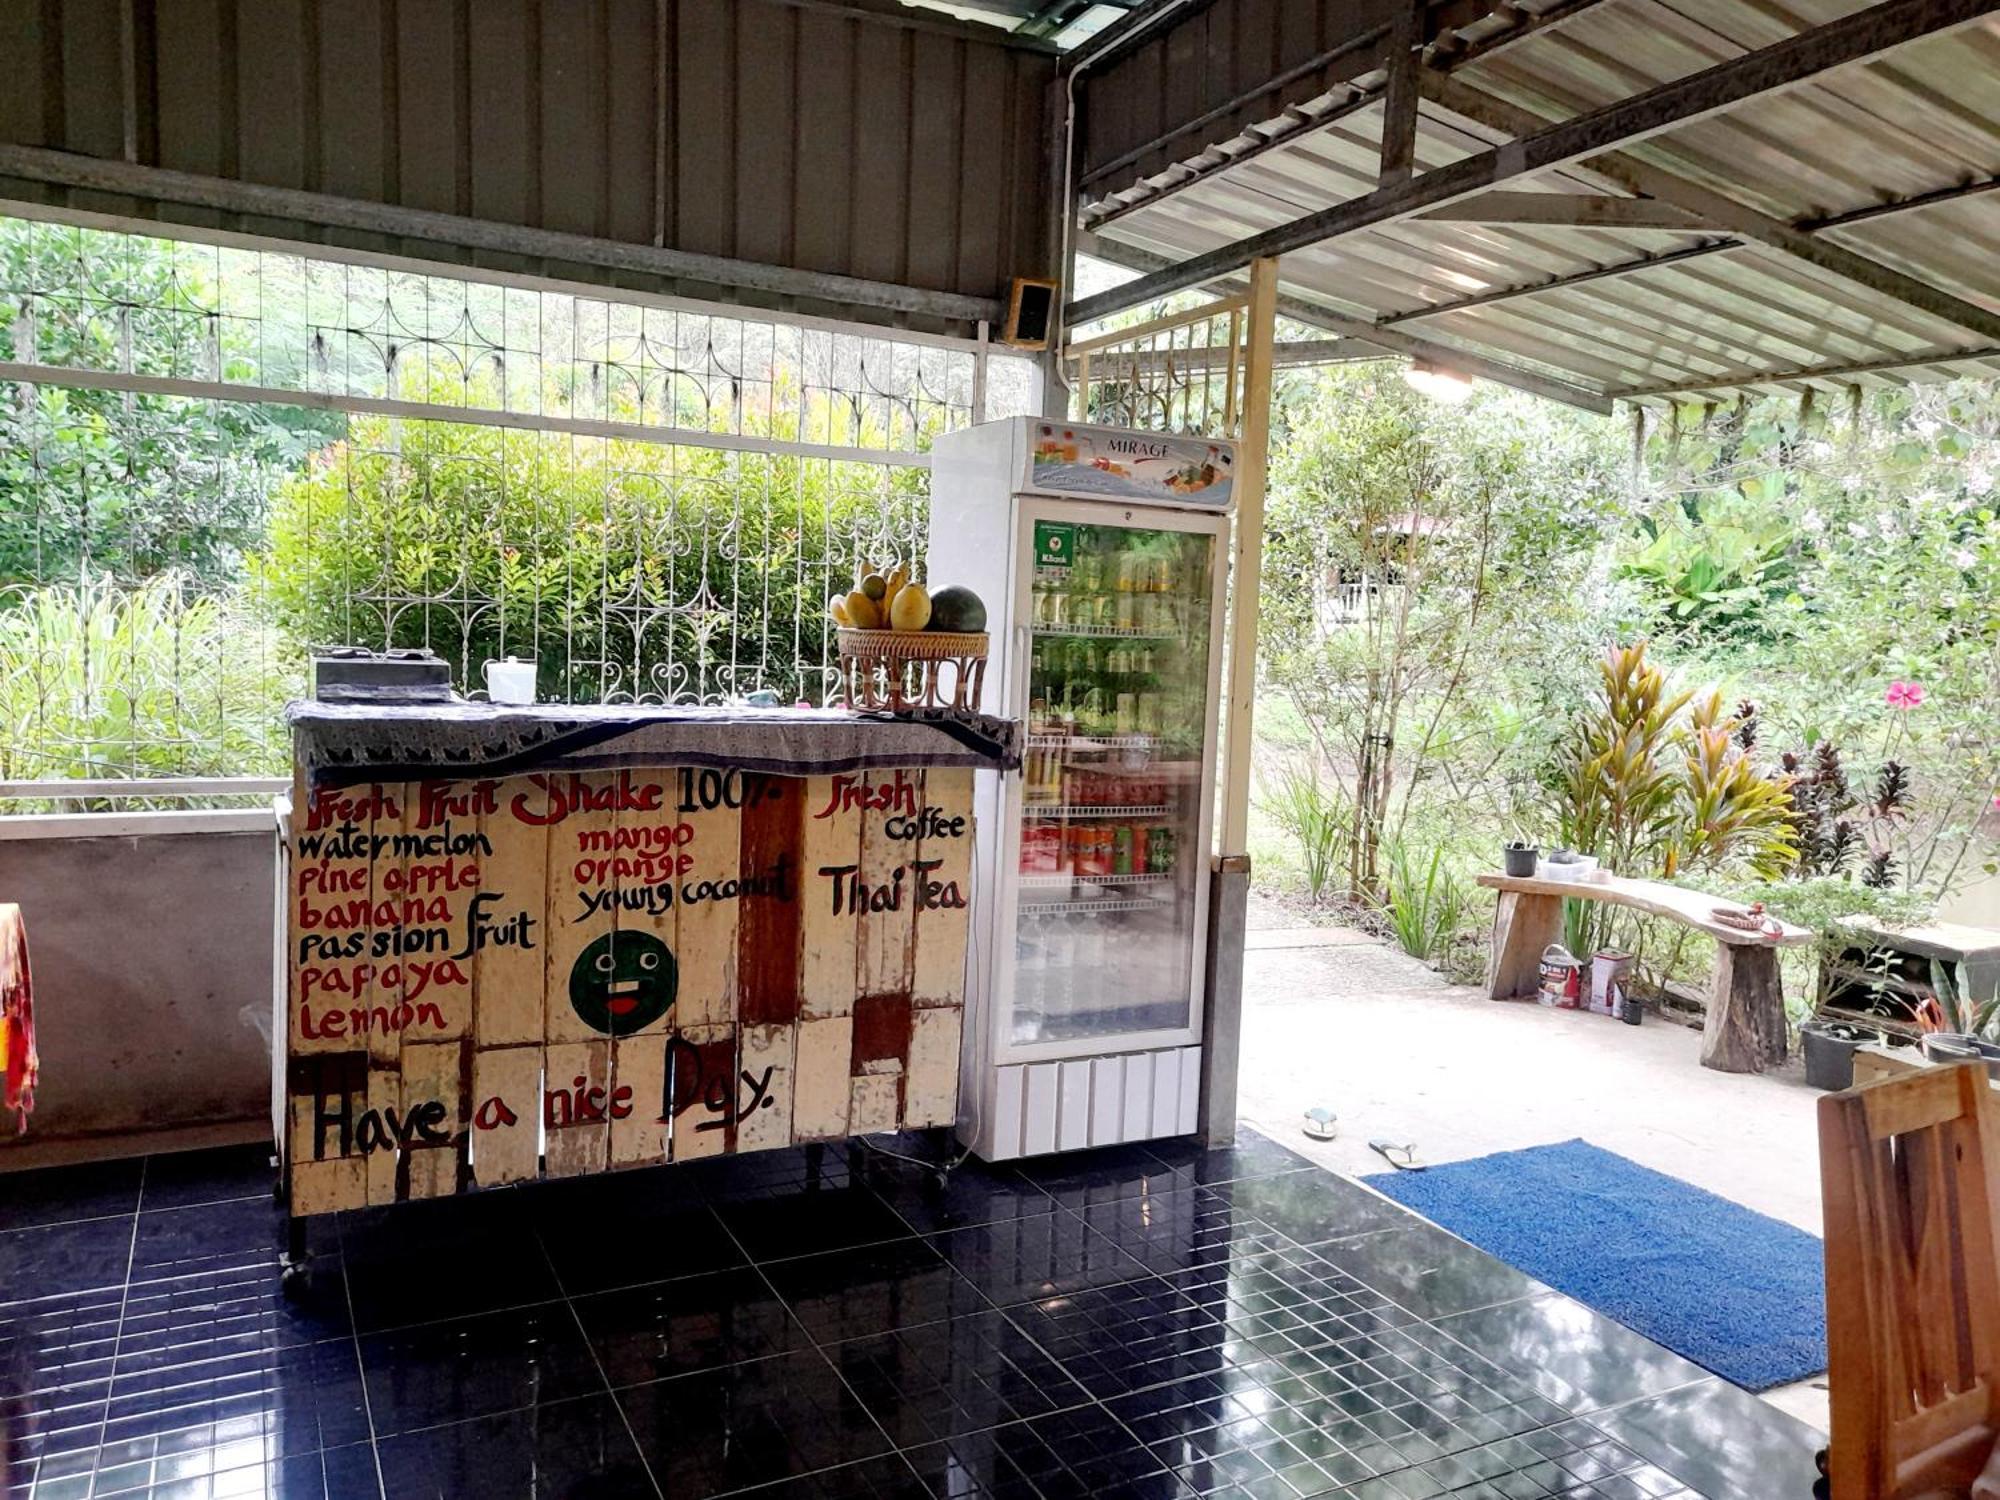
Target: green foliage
(1891, 502)
(1731, 808)
(1961, 1012)
(618, 566)
(1653, 782)
(104, 481)
(153, 680)
(1424, 902)
(1713, 564)
(1617, 785)
(1821, 902)
(1316, 821)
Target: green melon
(957, 609)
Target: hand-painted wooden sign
(554, 974)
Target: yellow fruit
(911, 608)
(896, 581)
(862, 612)
(837, 607)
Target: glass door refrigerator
(1100, 554)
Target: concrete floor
(1334, 1018)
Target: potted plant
(1969, 1025)
(1829, 1047)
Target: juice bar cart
(545, 941)
(1101, 551)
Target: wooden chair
(1912, 1284)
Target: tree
(94, 482)
(1431, 586)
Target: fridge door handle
(1017, 672)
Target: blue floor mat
(1732, 1290)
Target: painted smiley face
(623, 982)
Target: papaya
(957, 608)
(862, 612)
(910, 609)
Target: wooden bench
(1745, 1032)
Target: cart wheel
(935, 1181)
(1819, 1458)
(295, 1280)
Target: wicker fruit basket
(898, 669)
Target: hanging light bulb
(1439, 384)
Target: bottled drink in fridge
(1119, 651)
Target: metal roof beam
(227, 195)
(1291, 354)
(1447, 52)
(1399, 95)
(1711, 91)
(1724, 212)
(1731, 379)
(1571, 210)
(1389, 341)
(1675, 257)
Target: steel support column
(1222, 1014)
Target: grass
(1425, 903)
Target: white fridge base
(1034, 1109)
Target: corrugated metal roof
(863, 140)
(1638, 311)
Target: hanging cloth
(19, 1067)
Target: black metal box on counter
(353, 674)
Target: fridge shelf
(1092, 742)
(1105, 632)
(1071, 908)
(1033, 810)
(1055, 882)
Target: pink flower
(1905, 694)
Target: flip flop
(1402, 1158)
(1320, 1123)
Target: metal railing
(1179, 373)
(131, 807)
(215, 456)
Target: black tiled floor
(493, 1362)
(1429, 1271)
(192, 1177)
(947, 1379)
(646, 1333)
(1570, 1354)
(1159, 1323)
(1051, 1255)
(748, 1424)
(58, 1195)
(842, 1294)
